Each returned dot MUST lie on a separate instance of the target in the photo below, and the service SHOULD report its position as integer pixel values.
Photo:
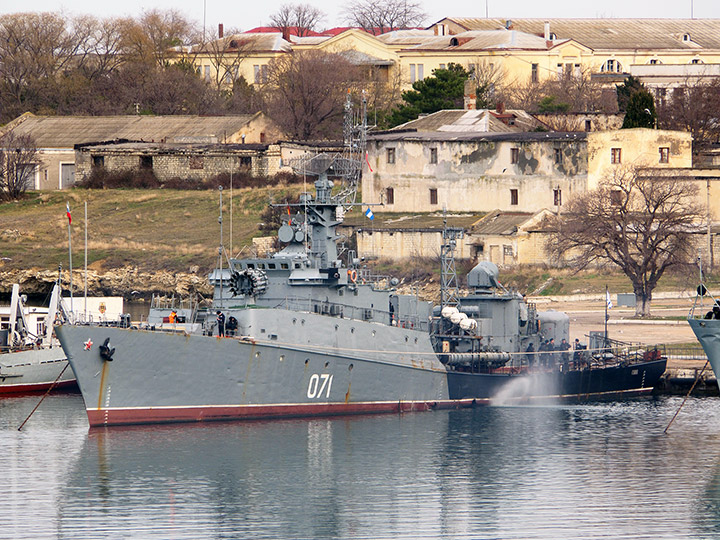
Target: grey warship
(309, 333)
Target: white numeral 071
(319, 384)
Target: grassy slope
(150, 229)
(174, 230)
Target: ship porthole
(282, 357)
(352, 330)
(336, 327)
(373, 333)
(257, 354)
(307, 361)
(406, 339)
(327, 364)
(294, 321)
(350, 367)
(302, 321)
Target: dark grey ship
(308, 333)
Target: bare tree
(305, 93)
(302, 18)
(381, 17)
(695, 107)
(639, 220)
(157, 35)
(226, 54)
(18, 156)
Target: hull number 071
(319, 385)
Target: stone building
(186, 161)
(520, 172)
(56, 136)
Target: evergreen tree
(629, 86)
(445, 89)
(640, 111)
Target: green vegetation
(445, 89)
(149, 229)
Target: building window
(696, 61)
(514, 197)
(98, 161)
(246, 161)
(413, 77)
(391, 156)
(514, 155)
(207, 73)
(558, 156)
(654, 61)
(588, 125)
(433, 155)
(262, 137)
(559, 71)
(420, 71)
(534, 77)
(146, 162)
(389, 196)
(664, 154)
(616, 197)
(557, 197)
(442, 66)
(686, 37)
(433, 196)
(264, 73)
(611, 66)
(615, 155)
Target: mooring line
(688, 395)
(42, 398)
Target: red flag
(68, 214)
(368, 162)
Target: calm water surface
(590, 471)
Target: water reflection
(585, 471)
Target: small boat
(31, 358)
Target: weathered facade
(175, 160)
(424, 172)
(57, 136)
(520, 172)
(639, 147)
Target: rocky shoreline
(128, 282)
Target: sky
(245, 14)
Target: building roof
(476, 120)
(485, 39)
(156, 148)
(498, 222)
(441, 136)
(67, 131)
(248, 42)
(599, 34)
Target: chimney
(508, 25)
(547, 30)
(500, 107)
(220, 30)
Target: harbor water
(590, 471)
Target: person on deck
(221, 324)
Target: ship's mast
(449, 289)
(326, 210)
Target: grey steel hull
(171, 377)
(34, 371)
(707, 332)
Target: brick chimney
(220, 30)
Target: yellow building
(517, 51)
